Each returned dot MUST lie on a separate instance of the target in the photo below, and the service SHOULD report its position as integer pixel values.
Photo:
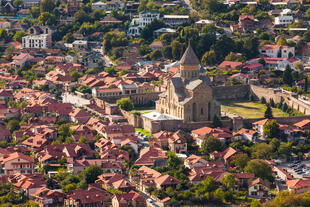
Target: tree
(3, 34)
(229, 181)
(19, 36)
(209, 58)
(299, 66)
(9, 52)
(216, 122)
(47, 6)
(272, 104)
(174, 161)
(271, 129)
(84, 89)
(285, 107)
(13, 125)
(166, 52)
(236, 57)
(83, 140)
(110, 70)
(68, 38)
(147, 31)
(177, 49)
(91, 173)
(287, 76)
(255, 203)
(155, 55)
(34, 11)
(240, 160)
(282, 41)
(47, 18)
(209, 184)
(260, 168)
(125, 104)
(262, 151)
(17, 3)
(306, 84)
(75, 76)
(268, 112)
(211, 144)
(263, 100)
(81, 16)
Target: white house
(37, 41)
(283, 20)
(275, 51)
(5, 25)
(99, 5)
(259, 188)
(147, 17)
(173, 20)
(31, 3)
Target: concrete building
(283, 20)
(37, 41)
(31, 3)
(173, 20)
(98, 5)
(147, 17)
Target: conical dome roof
(189, 57)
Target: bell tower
(189, 64)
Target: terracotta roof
(302, 123)
(262, 122)
(260, 181)
(167, 180)
(297, 184)
(131, 196)
(246, 131)
(16, 155)
(86, 197)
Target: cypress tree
(268, 112)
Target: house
(298, 185)
(98, 5)
(29, 183)
(116, 181)
(73, 6)
(303, 125)
(283, 20)
(277, 51)
(146, 17)
(248, 134)
(111, 21)
(230, 65)
(195, 161)
(164, 181)
(177, 143)
(157, 45)
(117, 130)
(47, 197)
(152, 156)
(16, 163)
(259, 126)
(246, 23)
(173, 20)
(83, 130)
(281, 173)
(21, 59)
(5, 25)
(130, 199)
(83, 198)
(226, 155)
(80, 45)
(243, 78)
(259, 188)
(30, 3)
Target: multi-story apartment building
(31, 3)
(37, 41)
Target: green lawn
(249, 110)
(143, 131)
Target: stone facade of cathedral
(189, 94)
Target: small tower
(189, 64)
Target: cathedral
(189, 94)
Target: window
(201, 111)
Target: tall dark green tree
(287, 76)
(306, 84)
(268, 112)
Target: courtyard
(250, 110)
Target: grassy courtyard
(249, 110)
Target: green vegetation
(143, 131)
(250, 109)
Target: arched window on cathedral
(201, 111)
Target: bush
(263, 100)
